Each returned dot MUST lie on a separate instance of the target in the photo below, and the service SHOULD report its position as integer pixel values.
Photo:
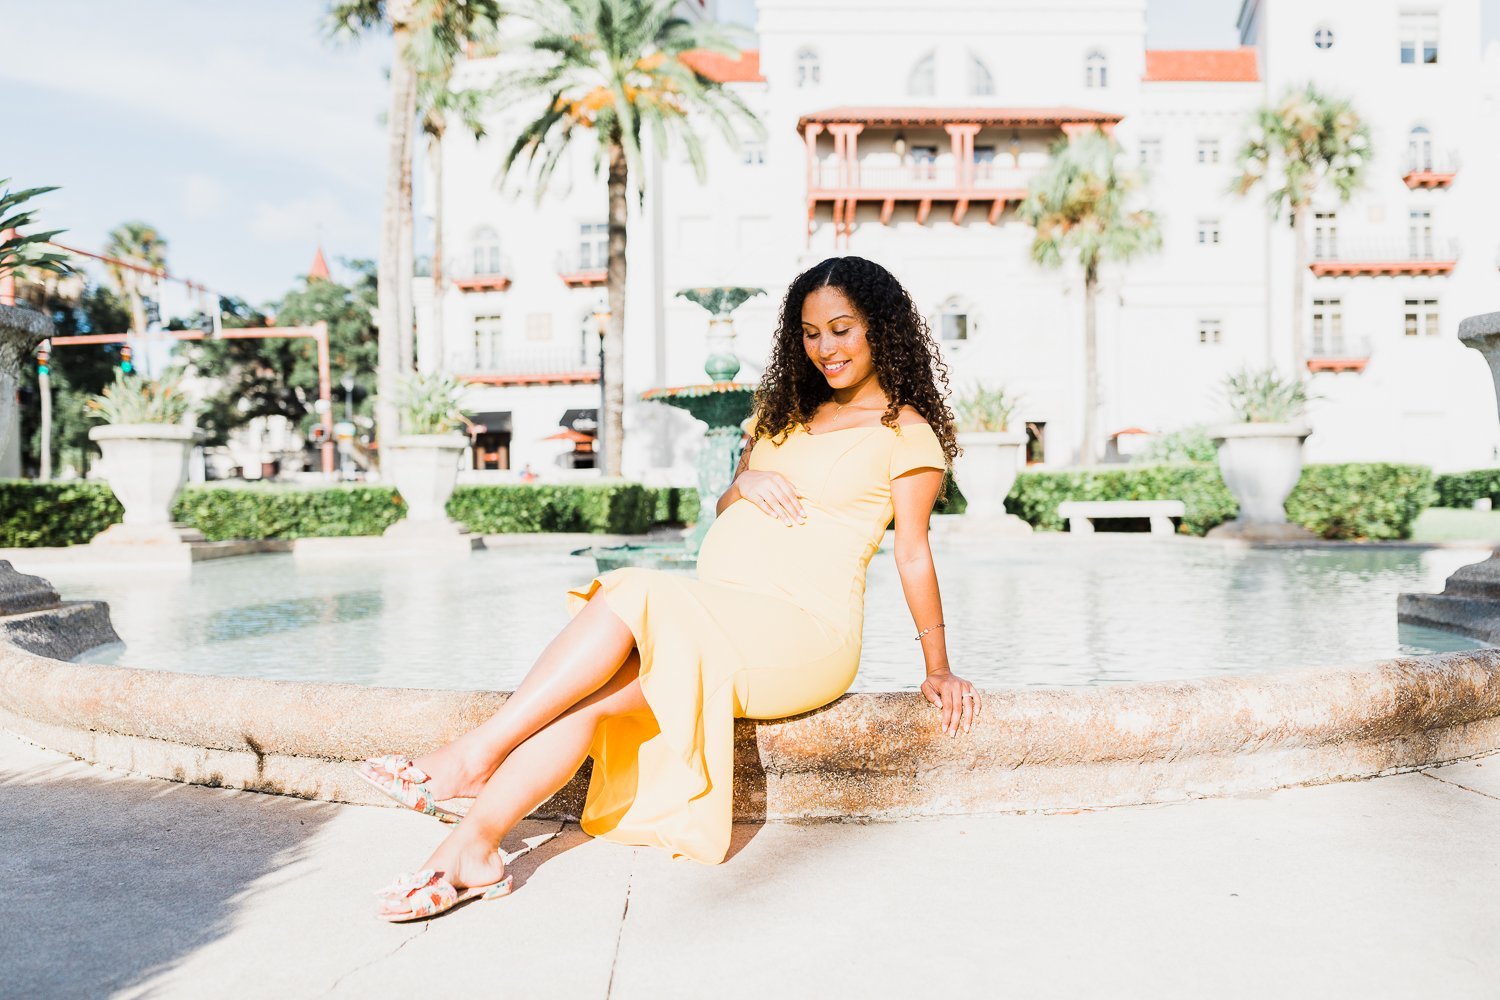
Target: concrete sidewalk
(124, 886)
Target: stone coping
(869, 755)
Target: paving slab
(133, 887)
(1476, 775)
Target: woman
(850, 428)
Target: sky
(244, 134)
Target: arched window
(1323, 37)
(981, 80)
(1096, 70)
(485, 248)
(809, 70)
(1419, 149)
(923, 79)
(954, 319)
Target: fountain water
(723, 404)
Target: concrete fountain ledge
(872, 756)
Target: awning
(586, 421)
(496, 422)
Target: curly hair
(907, 364)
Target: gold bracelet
(929, 629)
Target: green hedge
(1345, 501)
(54, 514)
(1461, 489)
(58, 513)
(256, 511)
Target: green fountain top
(720, 300)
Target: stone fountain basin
(868, 755)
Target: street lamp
(344, 445)
(601, 325)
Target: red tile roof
(1012, 117)
(723, 69)
(319, 268)
(1202, 65)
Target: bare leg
(583, 656)
(529, 775)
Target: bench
(1081, 514)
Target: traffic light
(126, 365)
(42, 367)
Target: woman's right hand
(773, 493)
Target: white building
(907, 134)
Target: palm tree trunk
(435, 157)
(407, 263)
(613, 390)
(387, 274)
(1089, 450)
(137, 319)
(1299, 279)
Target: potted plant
(423, 462)
(986, 469)
(146, 438)
(1260, 453)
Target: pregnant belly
(817, 564)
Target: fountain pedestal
(1470, 601)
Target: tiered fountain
(723, 404)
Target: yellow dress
(770, 628)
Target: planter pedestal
(146, 467)
(985, 474)
(424, 470)
(1260, 464)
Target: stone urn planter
(986, 471)
(1261, 463)
(424, 470)
(146, 466)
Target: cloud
(306, 220)
(203, 194)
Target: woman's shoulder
(910, 416)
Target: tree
(140, 244)
(439, 105)
(279, 377)
(614, 67)
(1292, 148)
(1080, 208)
(443, 23)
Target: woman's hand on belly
(773, 494)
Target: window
(809, 71)
(593, 246)
(753, 153)
(1421, 317)
(1419, 38)
(924, 162)
(981, 80)
(953, 320)
(1208, 151)
(1096, 70)
(984, 162)
(1208, 232)
(1419, 234)
(1327, 327)
(486, 354)
(485, 247)
(1150, 152)
(1323, 38)
(1418, 149)
(1210, 331)
(922, 81)
(1036, 442)
(1325, 236)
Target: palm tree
(613, 68)
(439, 105)
(426, 22)
(1079, 207)
(140, 244)
(1292, 148)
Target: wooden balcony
(961, 158)
(494, 278)
(1430, 171)
(1338, 355)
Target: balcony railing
(582, 270)
(1334, 354)
(537, 365)
(915, 176)
(493, 276)
(1429, 169)
(1420, 253)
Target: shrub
(36, 514)
(268, 511)
(617, 508)
(1461, 489)
(137, 400)
(1348, 501)
(1361, 500)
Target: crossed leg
(530, 768)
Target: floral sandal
(428, 893)
(405, 782)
